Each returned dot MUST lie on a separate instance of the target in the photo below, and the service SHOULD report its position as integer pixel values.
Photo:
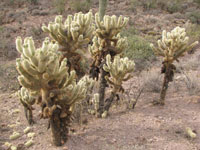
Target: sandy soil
(147, 127)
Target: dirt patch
(147, 127)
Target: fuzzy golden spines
(76, 30)
(119, 70)
(108, 33)
(110, 26)
(78, 91)
(173, 44)
(39, 66)
(25, 96)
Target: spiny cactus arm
(74, 32)
(110, 26)
(182, 51)
(49, 69)
(95, 101)
(157, 51)
(68, 79)
(77, 91)
(122, 44)
(25, 96)
(27, 100)
(119, 70)
(89, 82)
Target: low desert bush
(133, 5)
(173, 7)
(192, 81)
(194, 16)
(18, 3)
(197, 1)
(83, 5)
(138, 49)
(149, 4)
(193, 31)
(59, 6)
(152, 81)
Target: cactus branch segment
(119, 70)
(76, 30)
(72, 35)
(107, 40)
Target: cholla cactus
(26, 97)
(107, 40)
(72, 35)
(172, 46)
(43, 75)
(27, 101)
(96, 101)
(110, 26)
(119, 71)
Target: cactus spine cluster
(173, 45)
(107, 40)
(72, 35)
(44, 77)
(27, 101)
(119, 71)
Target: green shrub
(83, 5)
(194, 16)
(193, 31)
(149, 4)
(33, 1)
(197, 1)
(134, 4)
(20, 2)
(173, 7)
(59, 6)
(138, 47)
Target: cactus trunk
(168, 69)
(102, 8)
(29, 115)
(58, 125)
(55, 126)
(164, 87)
(102, 87)
(109, 101)
(28, 112)
(59, 128)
